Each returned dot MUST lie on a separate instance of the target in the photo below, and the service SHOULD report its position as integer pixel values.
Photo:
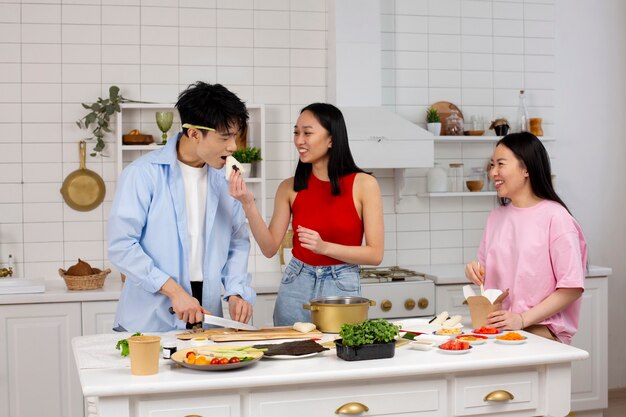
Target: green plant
(432, 116)
(99, 116)
(247, 155)
(369, 331)
(122, 345)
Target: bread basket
(85, 282)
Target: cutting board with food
(232, 335)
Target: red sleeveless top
(334, 217)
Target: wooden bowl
(474, 185)
(139, 139)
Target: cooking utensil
(222, 322)
(329, 313)
(83, 189)
(267, 333)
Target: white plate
(417, 345)
(510, 342)
(490, 336)
(471, 342)
(455, 352)
(308, 355)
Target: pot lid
(340, 300)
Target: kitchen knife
(222, 322)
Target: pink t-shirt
(533, 251)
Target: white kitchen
(278, 56)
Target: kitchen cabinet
(98, 317)
(167, 406)
(141, 116)
(590, 377)
(264, 310)
(37, 371)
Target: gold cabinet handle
(193, 415)
(499, 395)
(422, 303)
(385, 305)
(409, 304)
(352, 408)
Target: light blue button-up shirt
(148, 241)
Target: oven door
(398, 300)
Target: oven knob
(385, 305)
(422, 303)
(409, 304)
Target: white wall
(591, 63)
(475, 53)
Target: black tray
(365, 352)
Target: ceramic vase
(434, 128)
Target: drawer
(470, 393)
(171, 405)
(407, 398)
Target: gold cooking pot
(329, 313)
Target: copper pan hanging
(83, 189)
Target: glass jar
(456, 177)
(454, 124)
(476, 180)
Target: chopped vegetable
(511, 336)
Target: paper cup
(144, 354)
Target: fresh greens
(370, 331)
(247, 155)
(122, 345)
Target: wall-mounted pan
(83, 189)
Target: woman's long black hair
(531, 153)
(340, 160)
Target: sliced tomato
(234, 359)
(223, 361)
(215, 361)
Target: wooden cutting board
(232, 335)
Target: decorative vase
(247, 169)
(434, 128)
(365, 352)
(437, 179)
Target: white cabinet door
(37, 371)
(590, 377)
(98, 317)
(264, 310)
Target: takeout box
(481, 305)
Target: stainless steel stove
(398, 292)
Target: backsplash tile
(477, 54)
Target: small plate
(419, 345)
(308, 355)
(488, 335)
(510, 342)
(480, 339)
(179, 356)
(448, 335)
(454, 352)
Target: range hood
(379, 138)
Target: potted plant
(433, 120)
(246, 156)
(371, 339)
(99, 117)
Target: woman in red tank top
(332, 205)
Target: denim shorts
(301, 283)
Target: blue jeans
(301, 283)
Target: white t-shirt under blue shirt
(195, 180)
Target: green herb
(247, 155)
(432, 116)
(370, 331)
(122, 345)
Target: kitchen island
(529, 379)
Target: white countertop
(455, 273)
(321, 368)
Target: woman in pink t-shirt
(531, 245)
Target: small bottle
(437, 179)
(169, 348)
(456, 176)
(522, 114)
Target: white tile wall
(475, 53)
